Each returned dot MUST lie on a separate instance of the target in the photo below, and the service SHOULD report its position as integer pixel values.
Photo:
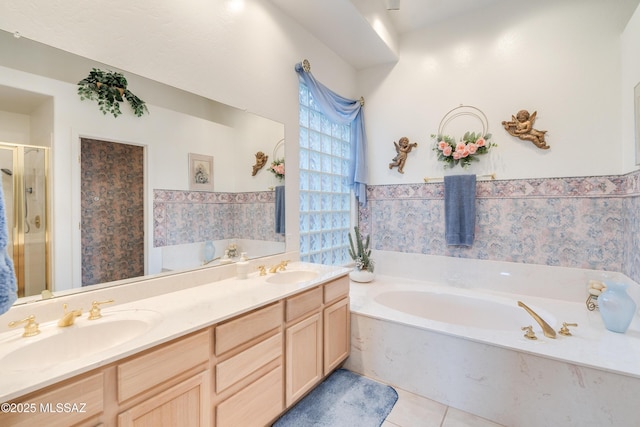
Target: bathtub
(451, 330)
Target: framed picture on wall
(636, 97)
(200, 172)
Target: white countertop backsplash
(183, 308)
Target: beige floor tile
(412, 410)
(458, 418)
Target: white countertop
(180, 313)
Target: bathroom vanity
(229, 353)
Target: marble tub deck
(589, 378)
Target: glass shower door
(24, 183)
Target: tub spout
(546, 329)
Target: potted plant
(361, 254)
(109, 88)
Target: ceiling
(335, 21)
(364, 33)
(20, 101)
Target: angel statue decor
(403, 148)
(522, 126)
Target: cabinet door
(183, 405)
(337, 334)
(304, 357)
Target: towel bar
(487, 177)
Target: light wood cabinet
(257, 404)
(304, 357)
(245, 371)
(249, 384)
(143, 373)
(183, 405)
(303, 366)
(337, 334)
(42, 408)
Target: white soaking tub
(452, 331)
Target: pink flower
(461, 146)
(480, 142)
(457, 155)
(442, 145)
(279, 169)
(472, 148)
(447, 150)
(465, 153)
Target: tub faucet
(546, 329)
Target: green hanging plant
(109, 88)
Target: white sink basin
(55, 345)
(292, 277)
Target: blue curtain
(343, 111)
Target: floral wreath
(277, 167)
(471, 145)
(463, 152)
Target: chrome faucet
(68, 317)
(546, 329)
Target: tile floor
(412, 410)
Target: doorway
(24, 184)
(112, 211)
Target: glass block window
(325, 195)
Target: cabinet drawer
(146, 371)
(247, 327)
(243, 364)
(85, 397)
(256, 405)
(299, 305)
(339, 288)
(183, 405)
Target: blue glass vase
(617, 308)
(209, 251)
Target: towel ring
(464, 110)
(275, 149)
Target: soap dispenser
(242, 266)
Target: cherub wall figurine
(261, 160)
(403, 148)
(522, 126)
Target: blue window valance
(343, 111)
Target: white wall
(561, 59)
(630, 48)
(243, 58)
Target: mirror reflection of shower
(24, 183)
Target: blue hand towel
(460, 209)
(8, 288)
(280, 217)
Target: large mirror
(181, 224)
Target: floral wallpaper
(112, 211)
(196, 216)
(587, 222)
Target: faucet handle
(31, 327)
(263, 270)
(94, 313)
(565, 330)
(530, 335)
(283, 264)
